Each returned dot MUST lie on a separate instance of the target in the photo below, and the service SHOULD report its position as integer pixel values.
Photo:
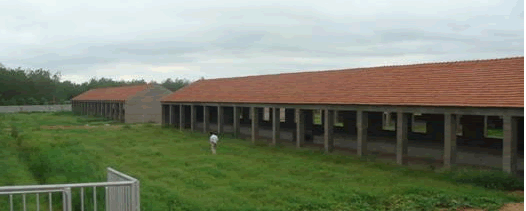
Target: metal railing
(122, 193)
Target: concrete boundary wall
(35, 108)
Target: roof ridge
(372, 67)
(453, 62)
(125, 86)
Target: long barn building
(454, 101)
(130, 104)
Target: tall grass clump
(14, 132)
(63, 162)
(492, 179)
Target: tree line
(41, 87)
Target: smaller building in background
(129, 104)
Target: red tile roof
(480, 83)
(111, 93)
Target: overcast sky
(155, 40)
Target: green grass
(178, 172)
(495, 133)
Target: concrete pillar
(101, 108)
(255, 123)
(450, 140)
(509, 145)
(361, 127)
(322, 116)
(220, 119)
(275, 125)
(206, 118)
(237, 120)
(329, 130)
(270, 114)
(300, 127)
(182, 116)
(402, 120)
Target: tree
(175, 84)
(19, 85)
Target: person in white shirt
(213, 141)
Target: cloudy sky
(154, 40)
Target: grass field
(178, 172)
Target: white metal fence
(121, 193)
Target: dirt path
(513, 207)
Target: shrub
(12, 101)
(3, 102)
(21, 101)
(32, 101)
(43, 101)
(62, 162)
(14, 132)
